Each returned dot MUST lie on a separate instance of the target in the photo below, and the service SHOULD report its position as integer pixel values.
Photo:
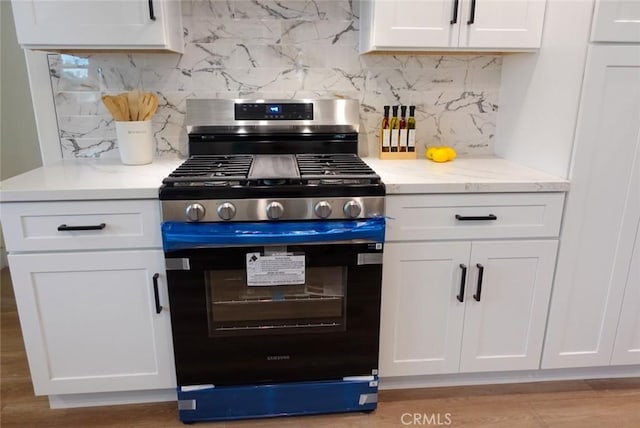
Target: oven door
(274, 302)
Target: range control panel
(274, 111)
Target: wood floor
(580, 404)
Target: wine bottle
(402, 140)
(411, 127)
(395, 129)
(385, 131)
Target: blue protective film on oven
(280, 399)
(180, 236)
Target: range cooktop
(288, 175)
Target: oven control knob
(352, 209)
(322, 209)
(195, 212)
(274, 210)
(226, 211)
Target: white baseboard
(111, 398)
(405, 382)
(462, 379)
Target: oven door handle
(181, 236)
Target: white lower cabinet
(593, 319)
(466, 281)
(90, 321)
(504, 326)
(421, 320)
(430, 325)
(627, 345)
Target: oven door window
(263, 302)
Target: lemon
(440, 155)
(451, 153)
(430, 152)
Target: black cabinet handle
(475, 217)
(472, 13)
(156, 294)
(152, 15)
(479, 284)
(65, 228)
(463, 279)
(454, 20)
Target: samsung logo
(278, 357)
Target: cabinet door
(502, 24)
(627, 345)
(95, 23)
(505, 318)
(415, 23)
(421, 320)
(89, 321)
(599, 227)
(616, 21)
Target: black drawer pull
(463, 279)
(156, 294)
(479, 285)
(454, 20)
(472, 13)
(65, 228)
(152, 15)
(475, 217)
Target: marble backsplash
(278, 49)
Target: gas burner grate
(212, 170)
(335, 168)
(233, 176)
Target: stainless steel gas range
(273, 234)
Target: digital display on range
(274, 109)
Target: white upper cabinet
(99, 24)
(616, 21)
(413, 24)
(515, 24)
(451, 24)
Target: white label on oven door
(281, 269)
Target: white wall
(540, 93)
(19, 148)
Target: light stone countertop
(87, 179)
(463, 175)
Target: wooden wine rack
(396, 155)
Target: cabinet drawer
(59, 226)
(473, 216)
